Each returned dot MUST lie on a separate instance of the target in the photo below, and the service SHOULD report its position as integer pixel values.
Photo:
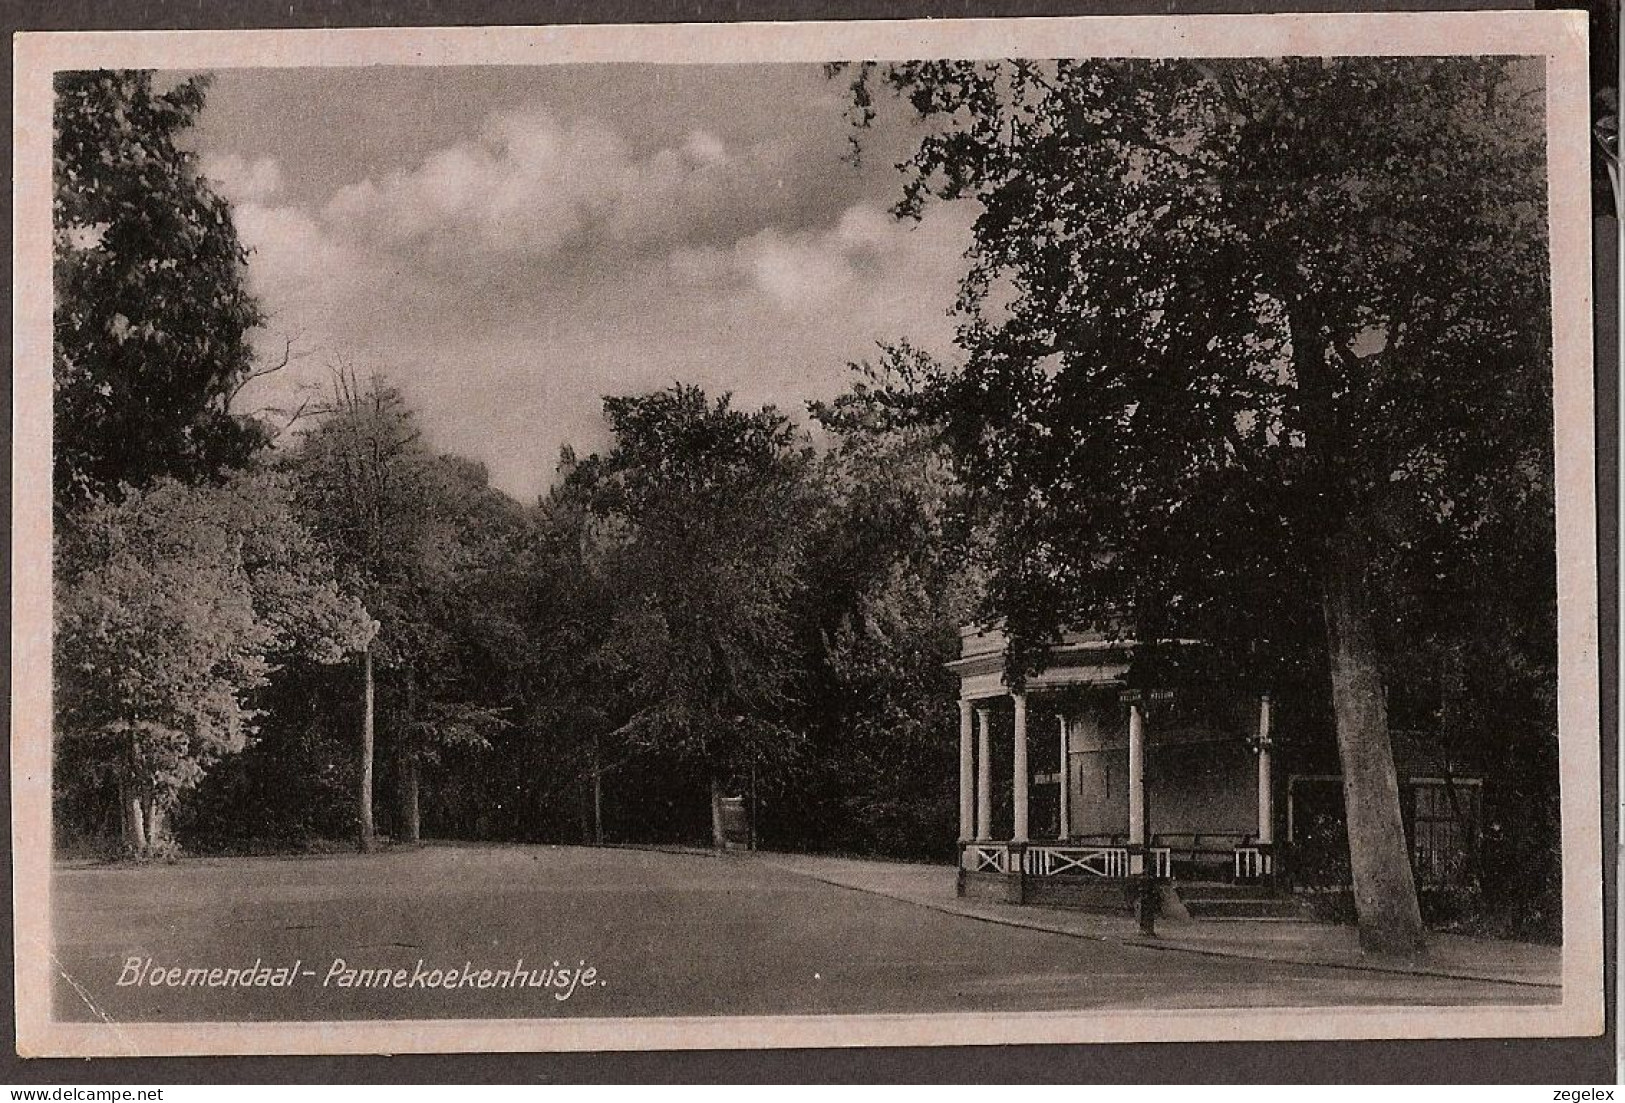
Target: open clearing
(669, 934)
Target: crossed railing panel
(987, 858)
(1095, 861)
(1049, 861)
(1098, 861)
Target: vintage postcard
(822, 534)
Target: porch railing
(1092, 861)
(1253, 863)
(1052, 860)
(987, 858)
(1097, 861)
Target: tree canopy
(1245, 341)
(417, 535)
(174, 605)
(700, 503)
(1234, 306)
(153, 317)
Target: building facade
(1077, 788)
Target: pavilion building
(1076, 788)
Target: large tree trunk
(134, 821)
(719, 836)
(754, 805)
(584, 812)
(406, 764)
(155, 822)
(1384, 890)
(364, 803)
(410, 819)
(597, 796)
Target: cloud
(527, 182)
(866, 251)
(532, 182)
(244, 181)
(298, 268)
(507, 281)
(705, 147)
(792, 272)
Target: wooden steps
(1224, 900)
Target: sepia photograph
(968, 532)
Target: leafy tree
(355, 466)
(889, 583)
(415, 535)
(451, 664)
(152, 317)
(573, 699)
(458, 625)
(173, 605)
(1240, 336)
(704, 505)
(293, 788)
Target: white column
(1020, 781)
(1136, 785)
(984, 776)
(1266, 793)
(967, 773)
(1065, 831)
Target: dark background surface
(1566, 1062)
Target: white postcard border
(1558, 36)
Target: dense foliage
(182, 581)
(1258, 352)
(173, 606)
(701, 510)
(152, 317)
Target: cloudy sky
(509, 245)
